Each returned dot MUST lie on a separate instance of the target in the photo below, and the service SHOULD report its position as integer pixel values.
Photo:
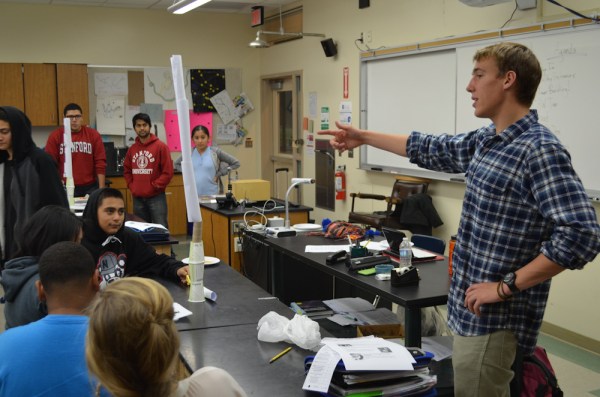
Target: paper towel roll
(208, 294)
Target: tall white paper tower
(196, 261)
(68, 167)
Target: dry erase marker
(276, 357)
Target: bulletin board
(117, 93)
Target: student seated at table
(132, 345)
(119, 251)
(47, 357)
(49, 225)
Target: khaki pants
(482, 364)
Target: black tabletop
(432, 289)
(239, 301)
(237, 350)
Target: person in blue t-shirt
(47, 357)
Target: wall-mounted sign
(258, 16)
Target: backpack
(538, 377)
(341, 229)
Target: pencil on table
(277, 356)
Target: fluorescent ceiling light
(183, 6)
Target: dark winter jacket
(22, 305)
(30, 179)
(124, 253)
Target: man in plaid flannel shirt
(526, 216)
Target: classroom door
(282, 135)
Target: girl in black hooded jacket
(120, 251)
(28, 178)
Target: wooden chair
(403, 187)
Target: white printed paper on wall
(109, 84)
(110, 115)
(224, 106)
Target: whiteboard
(428, 93)
(417, 94)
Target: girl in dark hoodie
(28, 178)
(120, 251)
(46, 227)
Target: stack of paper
(150, 232)
(314, 309)
(368, 366)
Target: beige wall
(148, 38)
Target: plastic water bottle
(405, 253)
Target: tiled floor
(577, 370)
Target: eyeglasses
(74, 116)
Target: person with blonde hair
(132, 345)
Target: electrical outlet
(238, 244)
(236, 227)
(368, 36)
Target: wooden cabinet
(39, 86)
(119, 183)
(11, 81)
(42, 90)
(218, 235)
(177, 215)
(72, 87)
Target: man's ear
(510, 79)
(40, 291)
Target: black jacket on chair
(417, 214)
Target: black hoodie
(30, 179)
(124, 253)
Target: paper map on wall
(225, 108)
(158, 87)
